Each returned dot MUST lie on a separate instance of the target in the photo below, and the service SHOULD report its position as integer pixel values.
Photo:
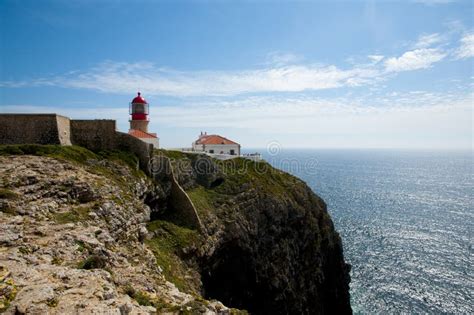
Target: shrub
(92, 262)
(8, 194)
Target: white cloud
(466, 50)
(426, 41)
(280, 58)
(281, 73)
(415, 59)
(413, 120)
(375, 58)
(113, 77)
(418, 120)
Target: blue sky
(348, 74)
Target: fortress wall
(142, 150)
(94, 135)
(180, 202)
(30, 128)
(64, 130)
(97, 135)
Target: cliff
(90, 233)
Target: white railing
(250, 156)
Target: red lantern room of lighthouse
(139, 110)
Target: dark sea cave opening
(229, 276)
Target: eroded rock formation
(83, 232)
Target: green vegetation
(57, 260)
(141, 297)
(81, 246)
(52, 302)
(176, 155)
(128, 158)
(24, 250)
(71, 153)
(8, 291)
(191, 308)
(205, 200)
(75, 215)
(167, 246)
(6, 208)
(8, 194)
(242, 174)
(75, 154)
(92, 262)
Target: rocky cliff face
(271, 247)
(72, 232)
(88, 233)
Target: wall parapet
(181, 203)
(95, 135)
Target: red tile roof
(140, 134)
(214, 139)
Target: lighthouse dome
(139, 99)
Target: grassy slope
(170, 239)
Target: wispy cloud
(425, 41)
(466, 49)
(128, 77)
(415, 59)
(424, 53)
(283, 72)
(279, 58)
(393, 116)
(375, 58)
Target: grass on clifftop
(167, 245)
(177, 155)
(74, 215)
(242, 175)
(72, 153)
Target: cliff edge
(271, 247)
(85, 232)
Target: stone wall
(94, 135)
(180, 202)
(97, 135)
(142, 150)
(64, 130)
(31, 128)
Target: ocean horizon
(405, 218)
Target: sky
(301, 74)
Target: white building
(215, 144)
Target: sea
(406, 219)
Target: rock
(271, 247)
(142, 233)
(81, 242)
(9, 234)
(126, 309)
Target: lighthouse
(139, 110)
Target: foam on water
(405, 219)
